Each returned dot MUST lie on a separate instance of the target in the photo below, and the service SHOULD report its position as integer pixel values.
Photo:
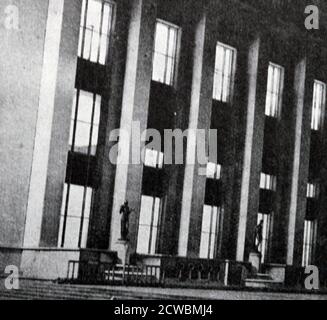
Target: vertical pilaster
(300, 165)
(135, 105)
(22, 61)
(199, 118)
(59, 127)
(253, 148)
(99, 227)
(56, 92)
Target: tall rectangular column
(135, 104)
(300, 167)
(59, 125)
(253, 148)
(99, 226)
(22, 62)
(199, 118)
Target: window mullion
(84, 28)
(100, 31)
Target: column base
(123, 251)
(255, 260)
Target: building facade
(77, 70)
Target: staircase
(262, 281)
(44, 290)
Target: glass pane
(170, 71)
(206, 218)
(82, 138)
(211, 170)
(94, 144)
(146, 210)
(88, 202)
(161, 160)
(214, 220)
(72, 232)
(143, 239)
(94, 14)
(75, 201)
(87, 43)
(156, 212)
(84, 233)
(219, 58)
(159, 66)
(95, 46)
(204, 246)
(60, 229)
(85, 106)
(172, 42)
(103, 48)
(161, 40)
(218, 80)
(107, 14)
(153, 240)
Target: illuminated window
(148, 225)
(213, 171)
(75, 215)
(211, 222)
(85, 119)
(275, 88)
(268, 182)
(165, 53)
(308, 242)
(153, 158)
(96, 24)
(318, 104)
(312, 190)
(263, 248)
(224, 72)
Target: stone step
(262, 276)
(262, 283)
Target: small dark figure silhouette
(258, 236)
(125, 211)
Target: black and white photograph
(163, 150)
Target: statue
(258, 236)
(125, 211)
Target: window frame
(154, 230)
(83, 28)
(230, 94)
(173, 80)
(278, 111)
(214, 231)
(320, 124)
(309, 245)
(76, 121)
(65, 216)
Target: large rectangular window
(308, 242)
(268, 182)
(153, 158)
(75, 215)
(263, 248)
(275, 88)
(224, 72)
(312, 190)
(211, 223)
(96, 24)
(318, 104)
(165, 53)
(85, 120)
(214, 171)
(149, 224)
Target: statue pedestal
(123, 251)
(255, 260)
